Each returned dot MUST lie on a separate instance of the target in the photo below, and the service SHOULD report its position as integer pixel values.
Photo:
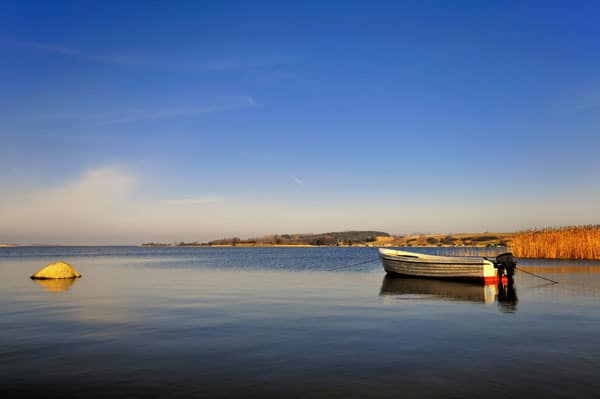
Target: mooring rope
(536, 275)
(354, 264)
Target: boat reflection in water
(403, 287)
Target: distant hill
(452, 240)
(331, 238)
(354, 237)
(360, 238)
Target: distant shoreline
(569, 243)
(367, 238)
(317, 246)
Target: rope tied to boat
(536, 275)
(354, 264)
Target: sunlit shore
(574, 242)
(366, 238)
(374, 245)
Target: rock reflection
(504, 294)
(57, 284)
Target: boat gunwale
(417, 257)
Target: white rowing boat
(446, 267)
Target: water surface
(274, 322)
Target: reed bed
(573, 242)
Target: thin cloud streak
(50, 48)
(166, 113)
(244, 63)
(116, 117)
(132, 59)
(108, 205)
(193, 201)
(298, 180)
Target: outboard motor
(506, 264)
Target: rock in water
(56, 270)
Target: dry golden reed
(573, 242)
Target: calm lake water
(274, 322)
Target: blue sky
(201, 119)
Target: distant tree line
(330, 239)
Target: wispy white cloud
(86, 201)
(136, 58)
(64, 50)
(133, 115)
(46, 47)
(193, 201)
(109, 205)
(99, 204)
(244, 63)
(236, 102)
(297, 180)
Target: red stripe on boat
(495, 280)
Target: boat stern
(490, 273)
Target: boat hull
(430, 266)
